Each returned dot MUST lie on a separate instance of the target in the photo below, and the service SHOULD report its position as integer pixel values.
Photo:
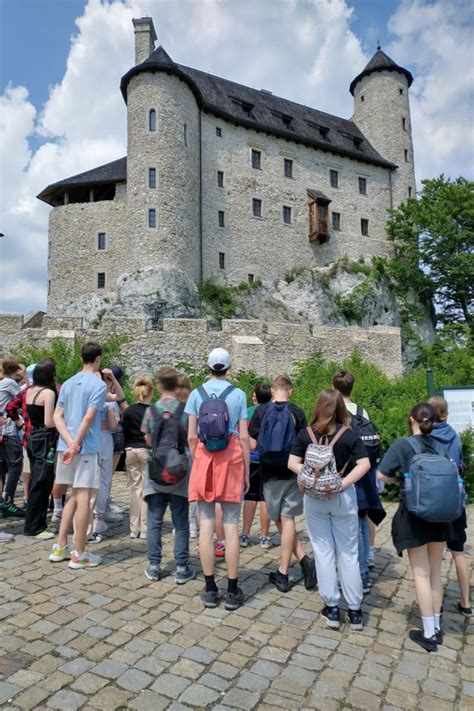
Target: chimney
(145, 37)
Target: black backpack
(167, 465)
(367, 432)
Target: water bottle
(50, 456)
(462, 491)
(407, 482)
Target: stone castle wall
(266, 348)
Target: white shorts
(82, 473)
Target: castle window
(404, 123)
(288, 168)
(219, 131)
(318, 217)
(49, 287)
(101, 280)
(409, 191)
(185, 134)
(221, 260)
(336, 221)
(152, 120)
(220, 218)
(251, 278)
(101, 240)
(363, 186)
(49, 250)
(362, 97)
(406, 156)
(256, 207)
(152, 178)
(256, 159)
(401, 92)
(287, 215)
(220, 178)
(364, 227)
(152, 217)
(334, 178)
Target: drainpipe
(200, 198)
(391, 189)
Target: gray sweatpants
(333, 530)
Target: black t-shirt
(398, 458)
(348, 448)
(132, 425)
(299, 419)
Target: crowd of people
(206, 455)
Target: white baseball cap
(219, 359)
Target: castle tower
(162, 160)
(382, 112)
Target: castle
(224, 180)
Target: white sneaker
(57, 516)
(143, 536)
(86, 560)
(4, 537)
(58, 554)
(94, 538)
(193, 532)
(115, 508)
(112, 517)
(99, 526)
(133, 534)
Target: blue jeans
(364, 545)
(179, 505)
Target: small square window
(287, 214)
(152, 120)
(221, 260)
(362, 97)
(406, 155)
(336, 221)
(364, 227)
(49, 287)
(256, 159)
(185, 134)
(404, 123)
(256, 207)
(152, 217)
(288, 168)
(409, 191)
(401, 92)
(219, 131)
(221, 218)
(101, 240)
(220, 178)
(49, 250)
(251, 278)
(101, 280)
(363, 186)
(334, 178)
(152, 178)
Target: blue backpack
(277, 434)
(213, 419)
(432, 488)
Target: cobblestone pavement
(107, 638)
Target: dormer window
(323, 132)
(285, 118)
(357, 143)
(152, 120)
(246, 107)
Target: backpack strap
(203, 393)
(416, 445)
(312, 435)
(338, 435)
(226, 392)
(360, 411)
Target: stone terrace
(109, 639)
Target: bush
(219, 297)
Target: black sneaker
(234, 600)
(308, 566)
(332, 617)
(466, 611)
(280, 581)
(366, 584)
(428, 643)
(209, 597)
(11, 510)
(355, 619)
(439, 634)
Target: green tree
(434, 244)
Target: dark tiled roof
(263, 111)
(318, 195)
(378, 63)
(113, 172)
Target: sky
(61, 111)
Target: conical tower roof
(381, 62)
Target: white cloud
(304, 50)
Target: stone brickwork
(266, 348)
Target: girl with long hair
(333, 523)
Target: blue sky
(61, 111)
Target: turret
(382, 112)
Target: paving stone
(7, 691)
(77, 666)
(225, 670)
(199, 695)
(134, 680)
(110, 698)
(215, 682)
(240, 699)
(253, 682)
(30, 698)
(151, 665)
(110, 669)
(364, 699)
(25, 678)
(89, 683)
(170, 685)
(439, 689)
(66, 699)
(267, 669)
(149, 701)
(199, 654)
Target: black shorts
(255, 492)
(456, 544)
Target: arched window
(152, 120)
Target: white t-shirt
(352, 408)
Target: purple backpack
(213, 419)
